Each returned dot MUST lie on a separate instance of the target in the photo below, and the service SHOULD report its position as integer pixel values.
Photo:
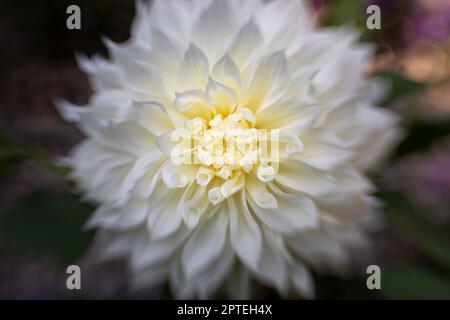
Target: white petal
(204, 176)
(323, 150)
(273, 267)
(193, 103)
(208, 281)
(221, 98)
(112, 105)
(200, 251)
(338, 77)
(165, 55)
(246, 44)
(128, 136)
(174, 17)
(121, 53)
(149, 278)
(135, 213)
(226, 72)
(292, 213)
(124, 217)
(104, 215)
(164, 217)
(213, 27)
(277, 16)
(102, 73)
(147, 183)
(144, 79)
(112, 244)
(153, 117)
(152, 252)
(303, 178)
(140, 28)
(69, 111)
(321, 249)
(233, 185)
(268, 81)
(302, 280)
(107, 175)
(293, 114)
(177, 176)
(350, 179)
(194, 69)
(194, 205)
(244, 232)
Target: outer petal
(246, 44)
(302, 178)
(280, 211)
(200, 251)
(213, 27)
(194, 69)
(268, 81)
(164, 217)
(245, 233)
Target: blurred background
(41, 218)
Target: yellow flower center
(226, 145)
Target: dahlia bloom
(227, 142)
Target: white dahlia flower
(226, 142)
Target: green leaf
(14, 154)
(11, 156)
(403, 214)
(45, 223)
(350, 13)
(344, 12)
(408, 282)
(400, 86)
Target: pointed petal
(245, 234)
(200, 251)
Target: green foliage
(44, 223)
(344, 12)
(401, 281)
(11, 156)
(404, 215)
(400, 86)
(349, 13)
(411, 282)
(14, 154)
